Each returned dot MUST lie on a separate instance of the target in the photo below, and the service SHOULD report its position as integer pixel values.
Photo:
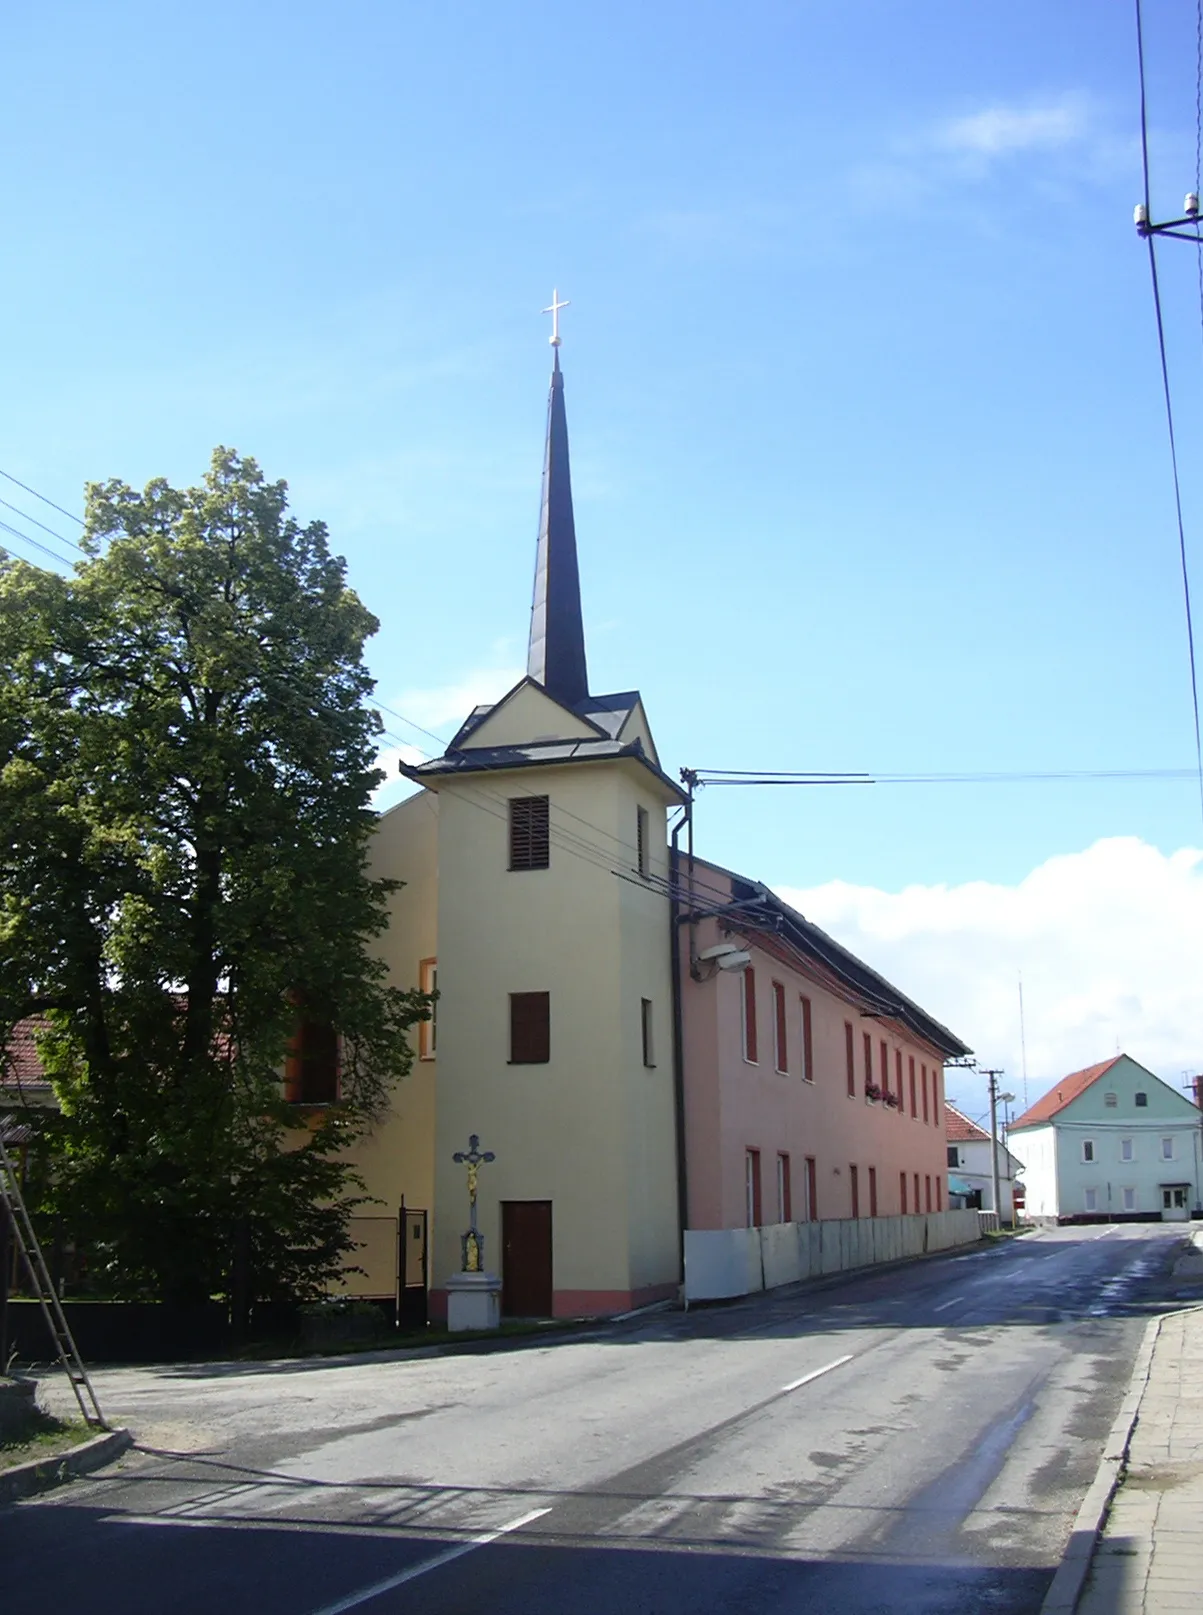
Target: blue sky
(869, 460)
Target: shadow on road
(196, 1568)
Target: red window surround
(848, 1046)
(872, 1191)
(812, 1189)
(868, 1059)
(782, 1048)
(902, 1191)
(808, 1049)
(914, 1105)
(752, 1185)
(854, 1184)
(923, 1073)
(750, 1053)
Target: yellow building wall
(396, 1160)
(528, 714)
(592, 1130)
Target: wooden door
(526, 1290)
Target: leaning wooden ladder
(13, 1202)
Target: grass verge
(53, 1436)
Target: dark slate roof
(880, 996)
(608, 712)
(536, 754)
(556, 654)
(477, 716)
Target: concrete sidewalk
(1150, 1556)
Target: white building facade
(1111, 1143)
(970, 1173)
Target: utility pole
(993, 1077)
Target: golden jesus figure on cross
(473, 1158)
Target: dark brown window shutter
(530, 832)
(641, 828)
(848, 1055)
(530, 1028)
(318, 1062)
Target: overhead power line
(733, 776)
(25, 516)
(1144, 224)
(16, 532)
(70, 514)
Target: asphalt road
(913, 1441)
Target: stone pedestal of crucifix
(473, 1295)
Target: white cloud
(1108, 940)
(997, 130)
(394, 785)
(441, 704)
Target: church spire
(557, 633)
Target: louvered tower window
(530, 838)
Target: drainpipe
(674, 943)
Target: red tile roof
(960, 1130)
(1063, 1093)
(20, 1066)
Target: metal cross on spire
(553, 309)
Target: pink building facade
(812, 1087)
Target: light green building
(1111, 1142)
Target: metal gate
(412, 1228)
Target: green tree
(186, 764)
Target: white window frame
(1128, 1196)
(1090, 1199)
(1127, 1150)
(748, 973)
(780, 1024)
(782, 1159)
(1089, 1156)
(428, 1031)
(647, 1033)
(806, 1044)
(750, 1187)
(1167, 1154)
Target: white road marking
(944, 1305)
(353, 1600)
(795, 1384)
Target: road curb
(1062, 1596)
(42, 1474)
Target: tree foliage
(186, 763)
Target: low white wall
(725, 1262)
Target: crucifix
(554, 310)
(473, 1241)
